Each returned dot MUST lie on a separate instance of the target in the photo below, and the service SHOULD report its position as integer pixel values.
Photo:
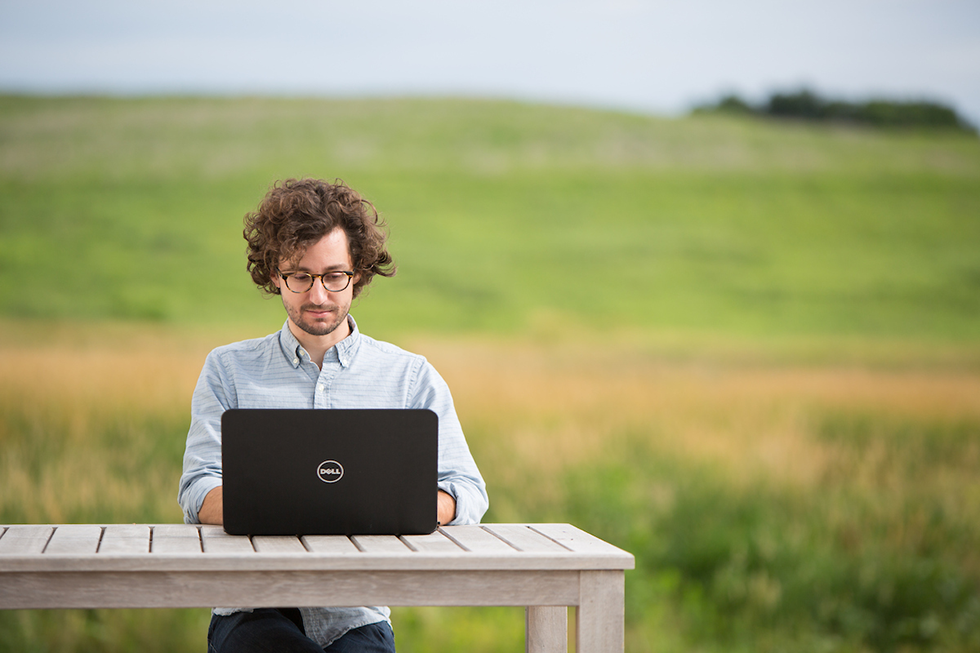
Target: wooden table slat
(278, 544)
(167, 545)
(127, 531)
(175, 539)
(125, 539)
(177, 530)
(525, 539)
(575, 539)
(216, 541)
(176, 545)
(211, 530)
(25, 539)
(479, 540)
(73, 539)
(436, 543)
(380, 544)
(330, 545)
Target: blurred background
(703, 278)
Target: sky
(635, 55)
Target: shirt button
(295, 361)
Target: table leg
(547, 629)
(601, 612)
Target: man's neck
(318, 346)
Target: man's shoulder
(383, 360)
(380, 348)
(246, 349)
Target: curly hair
(296, 213)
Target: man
(317, 245)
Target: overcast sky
(649, 56)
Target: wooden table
(544, 567)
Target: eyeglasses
(299, 282)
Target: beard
(318, 326)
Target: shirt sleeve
(202, 454)
(458, 474)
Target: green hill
(504, 217)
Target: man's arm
(459, 479)
(212, 510)
(202, 453)
(447, 508)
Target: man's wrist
(446, 508)
(212, 508)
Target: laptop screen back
(329, 472)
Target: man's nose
(318, 294)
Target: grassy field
(505, 218)
(748, 353)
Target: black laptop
(329, 472)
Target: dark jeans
(280, 630)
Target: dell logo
(330, 471)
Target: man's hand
(212, 510)
(447, 508)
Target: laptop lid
(329, 472)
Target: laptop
(329, 472)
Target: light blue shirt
(359, 372)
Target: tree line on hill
(807, 105)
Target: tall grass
(770, 507)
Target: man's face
(318, 311)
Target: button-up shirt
(358, 372)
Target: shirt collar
(343, 352)
(347, 347)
